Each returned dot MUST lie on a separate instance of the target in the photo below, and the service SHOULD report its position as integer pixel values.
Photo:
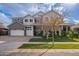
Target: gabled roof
(40, 12)
(16, 25)
(16, 17)
(28, 15)
(2, 25)
(54, 12)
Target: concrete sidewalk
(10, 49)
(44, 52)
(51, 42)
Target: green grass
(49, 46)
(59, 39)
(76, 39)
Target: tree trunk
(53, 37)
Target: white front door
(29, 31)
(17, 32)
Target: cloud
(23, 9)
(4, 19)
(8, 10)
(71, 20)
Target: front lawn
(49, 46)
(59, 39)
(40, 40)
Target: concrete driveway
(15, 38)
(8, 43)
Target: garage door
(29, 32)
(17, 33)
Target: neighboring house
(32, 25)
(75, 28)
(3, 29)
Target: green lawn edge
(56, 40)
(49, 46)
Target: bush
(76, 34)
(50, 35)
(41, 33)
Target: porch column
(62, 27)
(59, 30)
(25, 31)
(9, 32)
(44, 31)
(66, 29)
(32, 30)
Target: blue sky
(8, 10)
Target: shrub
(76, 34)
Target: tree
(55, 25)
(52, 24)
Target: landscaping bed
(49, 46)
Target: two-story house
(32, 25)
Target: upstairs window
(35, 21)
(26, 20)
(31, 20)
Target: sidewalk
(51, 42)
(44, 52)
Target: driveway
(8, 43)
(15, 38)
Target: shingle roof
(16, 25)
(1, 25)
(39, 13)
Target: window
(31, 20)
(28, 28)
(64, 28)
(26, 20)
(35, 20)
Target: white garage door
(17, 33)
(29, 30)
(29, 33)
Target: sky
(70, 11)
